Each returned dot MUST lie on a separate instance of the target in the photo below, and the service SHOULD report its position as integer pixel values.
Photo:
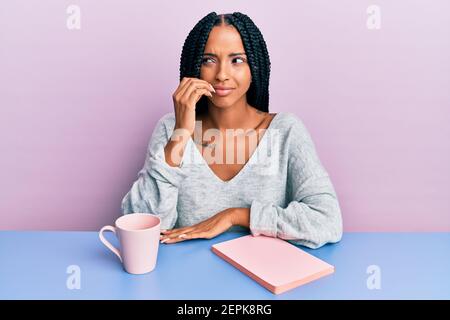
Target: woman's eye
(208, 60)
(205, 60)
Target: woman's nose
(222, 72)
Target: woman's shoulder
(168, 118)
(287, 121)
(166, 123)
(292, 130)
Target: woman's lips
(223, 92)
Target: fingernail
(212, 88)
(163, 241)
(182, 236)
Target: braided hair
(255, 49)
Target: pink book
(274, 263)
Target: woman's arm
(313, 216)
(156, 189)
(240, 217)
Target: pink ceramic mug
(138, 235)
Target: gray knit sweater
(288, 191)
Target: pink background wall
(77, 107)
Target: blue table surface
(33, 265)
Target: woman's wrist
(174, 149)
(240, 217)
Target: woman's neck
(240, 115)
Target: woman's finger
(177, 233)
(193, 87)
(181, 85)
(193, 84)
(173, 230)
(197, 94)
(195, 235)
(180, 238)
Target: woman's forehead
(224, 39)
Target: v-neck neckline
(240, 172)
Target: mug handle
(106, 242)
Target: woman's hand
(185, 97)
(209, 228)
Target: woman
(223, 92)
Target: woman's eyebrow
(230, 55)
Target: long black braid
(255, 49)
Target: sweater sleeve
(156, 188)
(312, 217)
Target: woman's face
(224, 65)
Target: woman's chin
(222, 102)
